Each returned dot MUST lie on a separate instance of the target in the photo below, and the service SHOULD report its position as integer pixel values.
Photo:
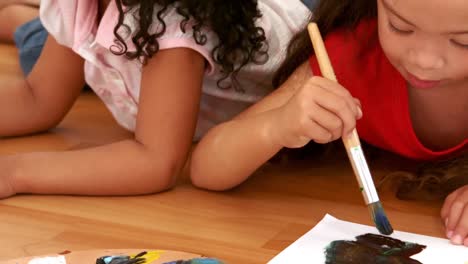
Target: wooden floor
(250, 224)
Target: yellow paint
(151, 256)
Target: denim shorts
(30, 39)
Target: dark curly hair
(240, 41)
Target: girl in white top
(167, 70)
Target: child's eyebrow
(389, 8)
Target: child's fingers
(316, 132)
(444, 213)
(327, 120)
(338, 106)
(340, 91)
(457, 224)
(358, 102)
(460, 236)
(456, 211)
(461, 230)
(331, 86)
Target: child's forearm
(231, 152)
(31, 2)
(19, 2)
(122, 168)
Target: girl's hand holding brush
(321, 111)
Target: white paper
(48, 260)
(310, 248)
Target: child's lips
(420, 83)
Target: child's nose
(426, 59)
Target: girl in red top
(402, 68)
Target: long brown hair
(430, 180)
(329, 16)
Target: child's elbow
(197, 180)
(51, 122)
(153, 174)
(36, 125)
(162, 178)
(45, 120)
(203, 179)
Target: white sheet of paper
(310, 247)
(48, 260)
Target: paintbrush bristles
(380, 218)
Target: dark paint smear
(371, 248)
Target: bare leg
(13, 16)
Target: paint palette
(119, 256)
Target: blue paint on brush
(380, 218)
(382, 222)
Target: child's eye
(399, 31)
(458, 44)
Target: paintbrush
(353, 144)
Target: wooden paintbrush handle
(327, 71)
(321, 53)
(352, 143)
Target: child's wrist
(10, 181)
(271, 129)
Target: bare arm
(40, 101)
(303, 109)
(14, 14)
(230, 152)
(4, 3)
(169, 98)
(30, 2)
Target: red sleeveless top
(361, 66)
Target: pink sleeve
(185, 42)
(69, 21)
